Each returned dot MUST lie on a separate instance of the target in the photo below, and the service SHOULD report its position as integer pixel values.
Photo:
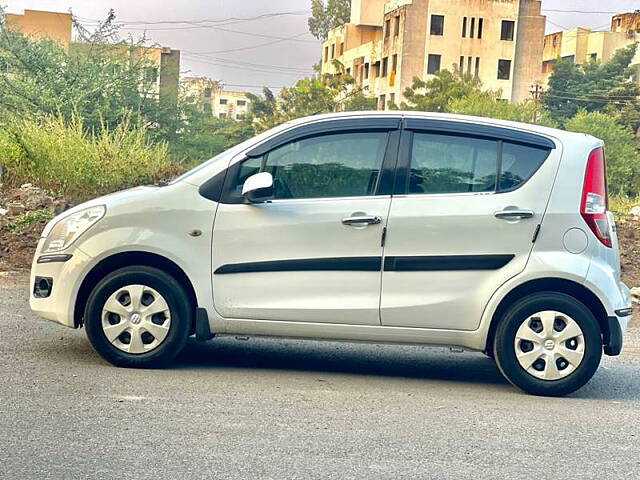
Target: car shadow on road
(341, 358)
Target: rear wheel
(548, 344)
(138, 317)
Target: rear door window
(452, 163)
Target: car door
(314, 252)
(468, 204)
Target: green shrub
(622, 204)
(64, 158)
(623, 160)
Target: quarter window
(519, 163)
(336, 165)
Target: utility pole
(536, 92)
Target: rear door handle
(364, 220)
(514, 214)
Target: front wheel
(548, 344)
(138, 317)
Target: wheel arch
(558, 285)
(124, 259)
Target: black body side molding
(373, 264)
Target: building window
(437, 25)
(473, 27)
(387, 29)
(240, 116)
(376, 69)
(433, 64)
(394, 63)
(461, 66)
(480, 27)
(348, 71)
(508, 28)
(383, 102)
(469, 62)
(569, 58)
(464, 27)
(151, 74)
(396, 30)
(392, 99)
(504, 69)
(366, 71)
(342, 48)
(223, 101)
(207, 92)
(206, 108)
(242, 103)
(326, 54)
(477, 66)
(333, 51)
(385, 66)
(222, 116)
(593, 57)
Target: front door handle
(361, 220)
(516, 214)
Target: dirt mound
(24, 212)
(629, 237)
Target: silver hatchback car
(397, 227)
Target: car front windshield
(228, 154)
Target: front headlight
(67, 230)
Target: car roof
(547, 131)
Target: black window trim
(486, 132)
(221, 187)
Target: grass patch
(28, 219)
(63, 157)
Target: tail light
(595, 201)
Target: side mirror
(258, 188)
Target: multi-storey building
(213, 99)
(162, 74)
(389, 43)
(583, 45)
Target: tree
(595, 87)
(435, 94)
(488, 104)
(623, 160)
(327, 16)
(101, 82)
(309, 96)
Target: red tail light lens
(595, 201)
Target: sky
(245, 55)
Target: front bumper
(65, 276)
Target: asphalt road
(287, 409)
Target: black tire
(505, 352)
(179, 307)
